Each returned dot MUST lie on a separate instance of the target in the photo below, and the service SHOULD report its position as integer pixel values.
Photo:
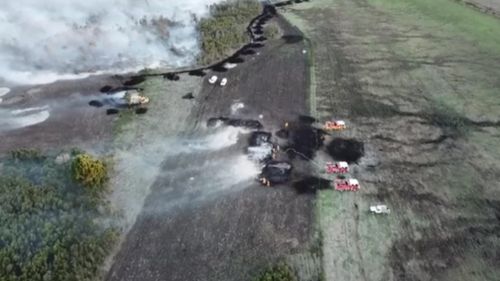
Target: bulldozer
(134, 97)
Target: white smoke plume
(43, 41)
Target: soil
(190, 229)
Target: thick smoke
(43, 41)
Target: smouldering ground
(206, 217)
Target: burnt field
(69, 123)
(195, 226)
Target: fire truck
(346, 184)
(337, 167)
(336, 125)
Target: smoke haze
(43, 41)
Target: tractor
(337, 167)
(335, 125)
(346, 184)
(133, 97)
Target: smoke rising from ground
(43, 41)
(196, 168)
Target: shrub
(271, 31)
(26, 154)
(89, 171)
(279, 272)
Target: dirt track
(189, 229)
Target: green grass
(447, 116)
(483, 29)
(124, 117)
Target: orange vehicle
(335, 125)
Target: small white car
(223, 82)
(380, 209)
(212, 79)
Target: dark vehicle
(244, 123)
(259, 138)
(275, 172)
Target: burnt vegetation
(349, 150)
(244, 123)
(311, 184)
(303, 141)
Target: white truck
(380, 209)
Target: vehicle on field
(229, 65)
(275, 172)
(133, 97)
(346, 184)
(212, 79)
(223, 82)
(380, 209)
(335, 125)
(337, 168)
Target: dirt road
(206, 218)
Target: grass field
(484, 30)
(417, 81)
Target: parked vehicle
(275, 172)
(133, 97)
(337, 168)
(335, 125)
(346, 185)
(380, 209)
(223, 82)
(212, 79)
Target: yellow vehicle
(133, 97)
